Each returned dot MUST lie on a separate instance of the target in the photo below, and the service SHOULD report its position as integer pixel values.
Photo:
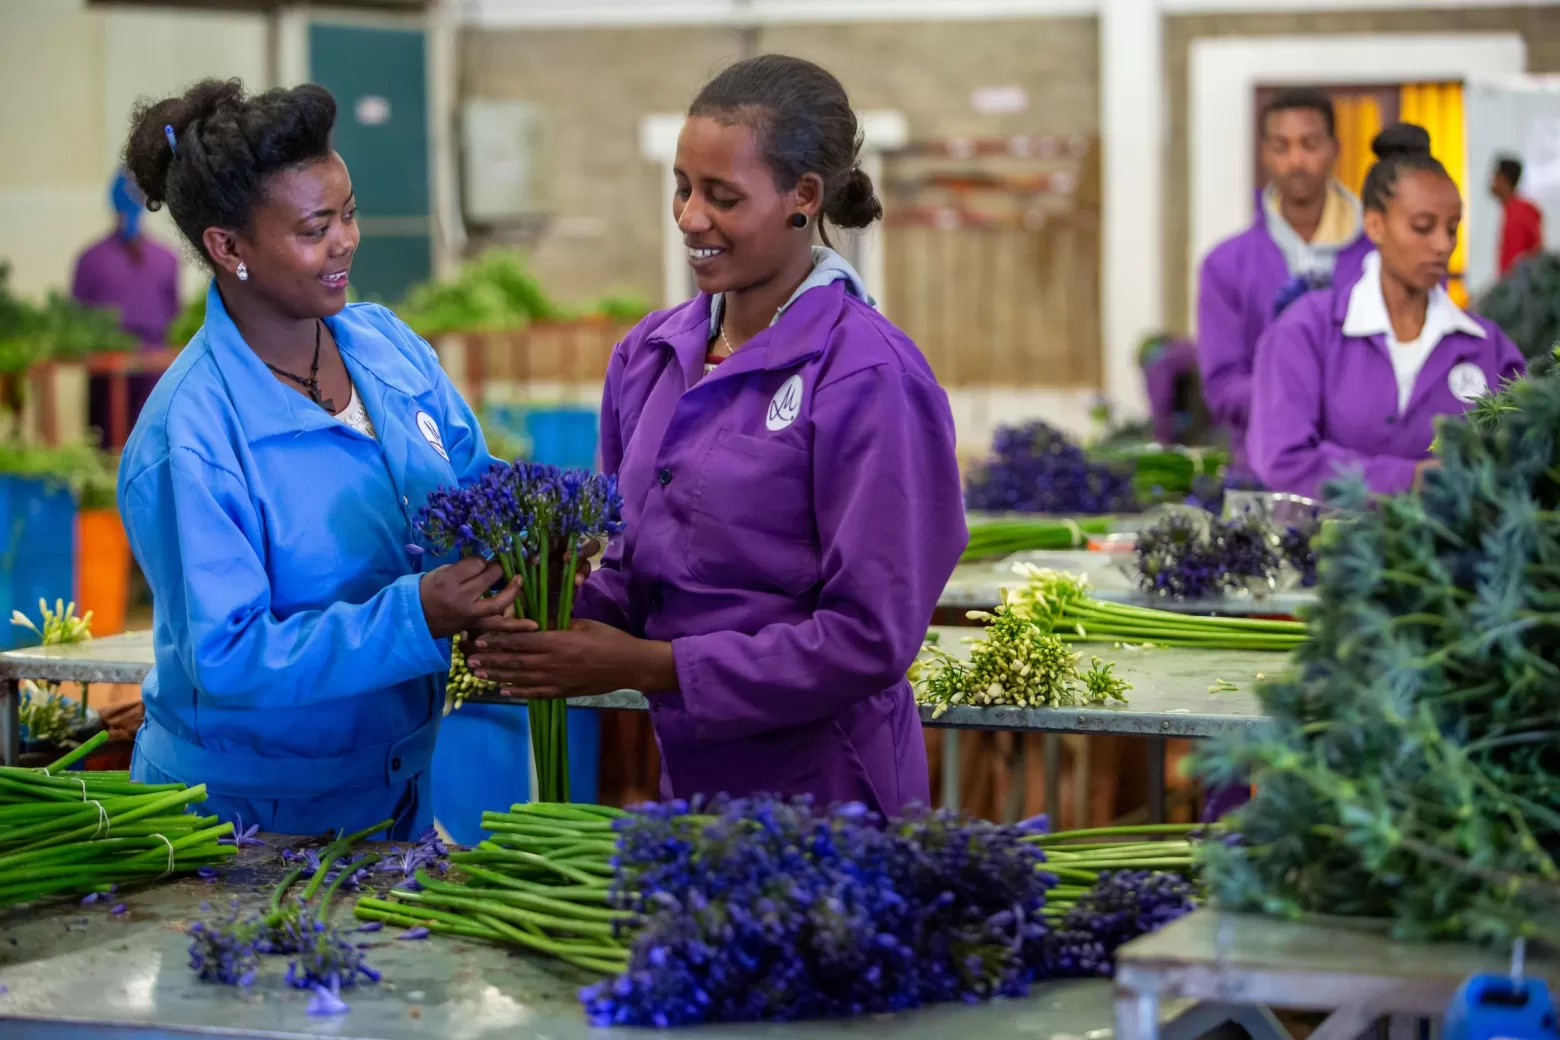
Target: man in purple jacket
(129, 273)
(1307, 233)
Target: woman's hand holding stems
(582, 660)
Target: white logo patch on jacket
(430, 431)
(786, 405)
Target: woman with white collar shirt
(1352, 379)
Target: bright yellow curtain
(1438, 107)
(1359, 120)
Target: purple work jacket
(1236, 291)
(792, 519)
(1325, 403)
(141, 285)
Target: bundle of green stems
(1061, 604)
(539, 883)
(75, 833)
(1078, 858)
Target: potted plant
(52, 723)
(41, 485)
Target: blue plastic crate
(482, 764)
(37, 551)
(562, 436)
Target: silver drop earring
(242, 272)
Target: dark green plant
(58, 329)
(1526, 303)
(1412, 768)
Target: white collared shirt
(1367, 316)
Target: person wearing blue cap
(137, 278)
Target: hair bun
(856, 205)
(1400, 140)
(148, 156)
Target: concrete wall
(69, 76)
(1539, 27)
(600, 82)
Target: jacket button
(395, 765)
(666, 476)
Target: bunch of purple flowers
(1034, 468)
(769, 910)
(524, 516)
(1189, 556)
(1121, 906)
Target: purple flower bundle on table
(1190, 556)
(763, 910)
(524, 516)
(1034, 468)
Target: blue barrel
(37, 552)
(482, 761)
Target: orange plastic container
(102, 570)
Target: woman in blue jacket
(270, 484)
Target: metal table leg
(10, 722)
(1156, 780)
(1137, 1015)
(1053, 779)
(950, 769)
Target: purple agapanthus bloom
(327, 1000)
(242, 837)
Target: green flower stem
(1117, 832)
(572, 811)
(1087, 877)
(365, 910)
(71, 758)
(596, 959)
(338, 848)
(592, 894)
(544, 826)
(330, 890)
(575, 926)
(280, 891)
(522, 899)
(530, 859)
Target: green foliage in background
(189, 321)
(1411, 771)
(1526, 304)
(497, 291)
(58, 329)
(79, 467)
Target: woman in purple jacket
(787, 465)
(1351, 380)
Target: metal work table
(1170, 696)
(70, 972)
(1235, 967)
(977, 586)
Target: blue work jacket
(293, 660)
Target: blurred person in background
(1522, 222)
(789, 480)
(139, 279)
(1351, 380)
(1307, 234)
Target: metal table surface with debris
(1170, 697)
(979, 585)
(68, 971)
(1236, 967)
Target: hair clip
(173, 140)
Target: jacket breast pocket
(752, 524)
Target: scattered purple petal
(372, 926)
(328, 1001)
(419, 932)
(91, 898)
(119, 908)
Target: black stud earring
(798, 220)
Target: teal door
(380, 80)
